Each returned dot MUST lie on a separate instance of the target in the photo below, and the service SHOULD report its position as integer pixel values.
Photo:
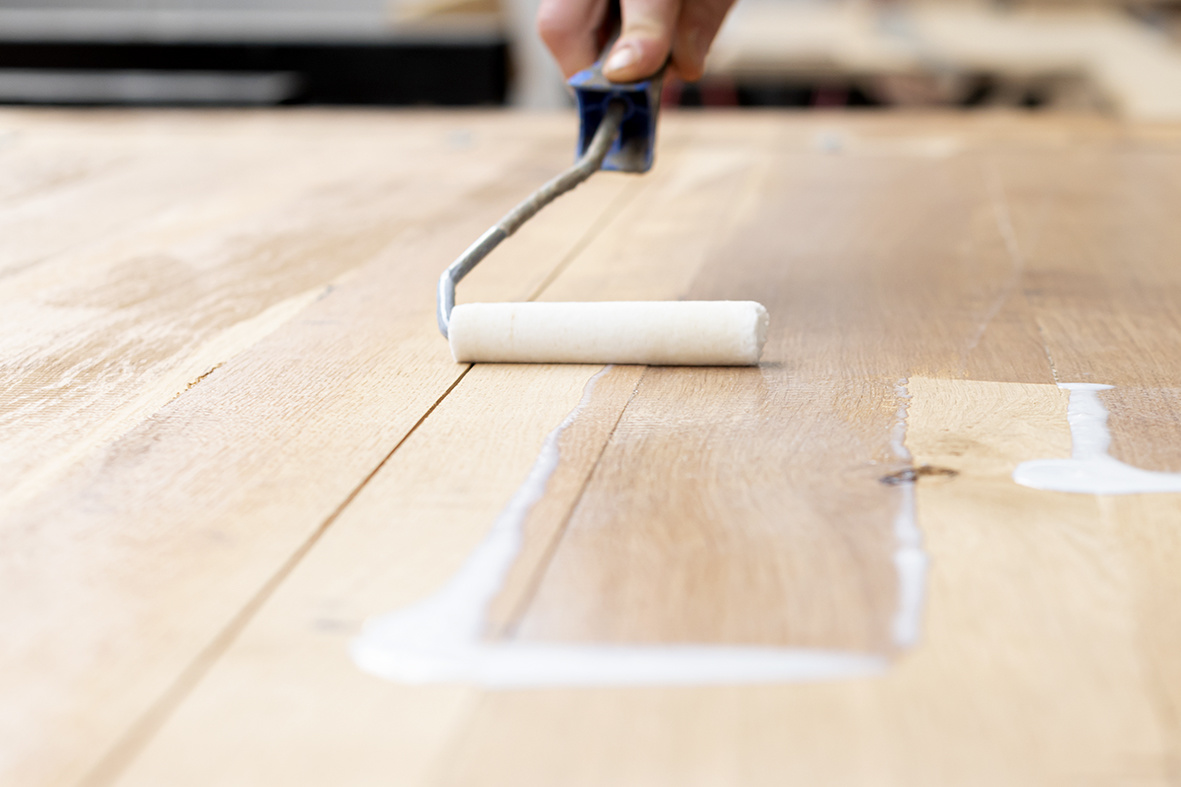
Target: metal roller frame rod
(587, 165)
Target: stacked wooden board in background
(1064, 55)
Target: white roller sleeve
(659, 333)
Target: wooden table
(232, 434)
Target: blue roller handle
(634, 148)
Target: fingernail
(623, 56)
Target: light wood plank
(98, 338)
(458, 474)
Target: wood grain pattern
(1029, 599)
(738, 508)
(241, 498)
(183, 566)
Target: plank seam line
(616, 207)
(510, 630)
(120, 756)
(124, 752)
(1041, 333)
(612, 211)
(463, 730)
(1003, 218)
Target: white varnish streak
(438, 640)
(910, 559)
(1090, 469)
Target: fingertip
(696, 30)
(689, 53)
(633, 59)
(620, 64)
(689, 73)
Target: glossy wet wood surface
(231, 434)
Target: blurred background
(1114, 57)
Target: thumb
(645, 40)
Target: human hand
(575, 31)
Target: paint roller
(617, 133)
